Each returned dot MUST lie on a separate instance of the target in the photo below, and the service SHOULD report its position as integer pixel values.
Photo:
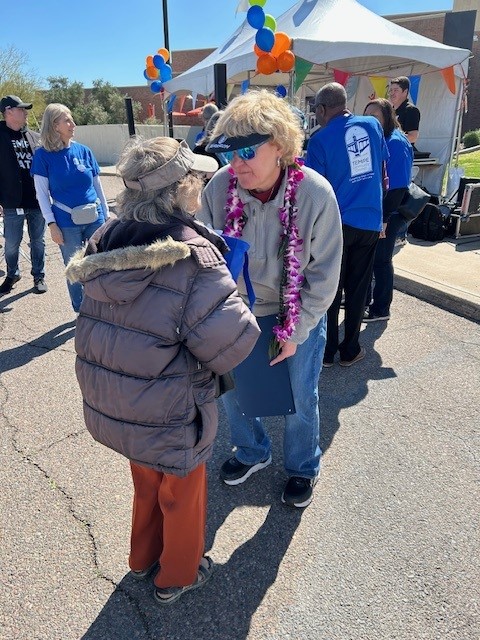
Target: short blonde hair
(143, 156)
(49, 138)
(265, 113)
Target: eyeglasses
(245, 153)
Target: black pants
(355, 275)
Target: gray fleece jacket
(157, 320)
(319, 224)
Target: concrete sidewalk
(446, 274)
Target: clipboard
(263, 390)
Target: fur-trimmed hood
(123, 257)
(154, 256)
(120, 275)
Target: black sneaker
(298, 491)
(39, 285)
(373, 317)
(7, 284)
(235, 472)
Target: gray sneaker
(39, 285)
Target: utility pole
(166, 40)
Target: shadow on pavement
(224, 607)
(21, 355)
(4, 301)
(342, 387)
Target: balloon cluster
(273, 48)
(157, 70)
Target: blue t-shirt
(349, 151)
(399, 165)
(70, 174)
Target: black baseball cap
(221, 143)
(10, 102)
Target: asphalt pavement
(388, 549)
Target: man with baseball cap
(18, 201)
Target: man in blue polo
(350, 152)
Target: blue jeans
(383, 266)
(301, 441)
(13, 231)
(73, 239)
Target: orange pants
(168, 524)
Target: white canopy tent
(345, 36)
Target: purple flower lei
(290, 244)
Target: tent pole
(458, 127)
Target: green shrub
(471, 139)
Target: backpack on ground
(431, 224)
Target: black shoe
(39, 285)
(373, 317)
(235, 472)
(298, 491)
(7, 284)
(327, 364)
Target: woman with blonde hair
(289, 216)
(68, 187)
(160, 316)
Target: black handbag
(223, 382)
(414, 202)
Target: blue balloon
(166, 73)
(145, 75)
(265, 39)
(256, 17)
(156, 87)
(158, 61)
(281, 91)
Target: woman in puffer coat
(160, 316)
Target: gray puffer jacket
(160, 314)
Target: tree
(103, 104)
(71, 94)
(16, 78)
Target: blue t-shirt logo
(359, 152)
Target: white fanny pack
(83, 214)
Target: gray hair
(208, 111)
(50, 138)
(331, 95)
(142, 156)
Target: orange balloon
(282, 43)
(258, 51)
(152, 72)
(286, 61)
(164, 53)
(266, 64)
(149, 61)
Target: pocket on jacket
(206, 419)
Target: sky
(109, 40)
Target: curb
(440, 299)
